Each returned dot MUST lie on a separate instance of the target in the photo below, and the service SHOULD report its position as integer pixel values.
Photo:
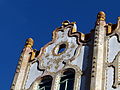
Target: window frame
(65, 76)
(57, 76)
(77, 77)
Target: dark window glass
(67, 80)
(45, 83)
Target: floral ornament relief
(52, 58)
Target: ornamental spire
(101, 16)
(29, 42)
(65, 23)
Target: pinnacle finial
(101, 16)
(119, 18)
(29, 42)
(65, 23)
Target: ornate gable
(63, 49)
(87, 61)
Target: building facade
(72, 60)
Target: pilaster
(21, 69)
(98, 53)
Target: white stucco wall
(113, 49)
(33, 74)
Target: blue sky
(21, 19)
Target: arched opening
(67, 79)
(46, 83)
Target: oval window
(60, 49)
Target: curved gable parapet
(117, 29)
(64, 48)
(113, 29)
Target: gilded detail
(109, 28)
(101, 16)
(65, 23)
(29, 42)
(33, 54)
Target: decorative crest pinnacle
(65, 23)
(101, 16)
(119, 18)
(29, 42)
